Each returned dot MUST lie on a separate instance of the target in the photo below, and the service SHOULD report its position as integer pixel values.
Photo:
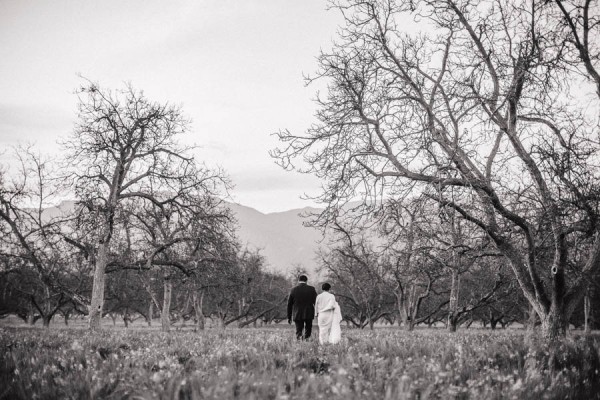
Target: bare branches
(477, 111)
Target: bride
(329, 316)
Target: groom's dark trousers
(301, 309)
(303, 325)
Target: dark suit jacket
(301, 303)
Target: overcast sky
(236, 67)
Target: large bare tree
(482, 111)
(126, 147)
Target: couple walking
(302, 304)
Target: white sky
(234, 65)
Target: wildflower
(76, 346)
(518, 384)
(156, 377)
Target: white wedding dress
(329, 318)
(336, 330)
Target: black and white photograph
(294, 200)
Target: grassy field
(267, 363)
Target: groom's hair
(303, 278)
(326, 286)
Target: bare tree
(479, 114)
(124, 148)
(31, 243)
(359, 275)
(408, 243)
(579, 24)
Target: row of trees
(419, 264)
(488, 109)
(149, 233)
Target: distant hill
(281, 237)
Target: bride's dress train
(336, 331)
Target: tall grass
(268, 363)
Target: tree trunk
(586, 312)
(165, 319)
(402, 309)
(453, 305)
(371, 323)
(554, 325)
(97, 302)
(30, 318)
(198, 301)
(452, 323)
(150, 313)
(531, 319)
(46, 320)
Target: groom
(301, 307)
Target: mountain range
(281, 237)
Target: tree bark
(165, 319)
(97, 303)
(554, 325)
